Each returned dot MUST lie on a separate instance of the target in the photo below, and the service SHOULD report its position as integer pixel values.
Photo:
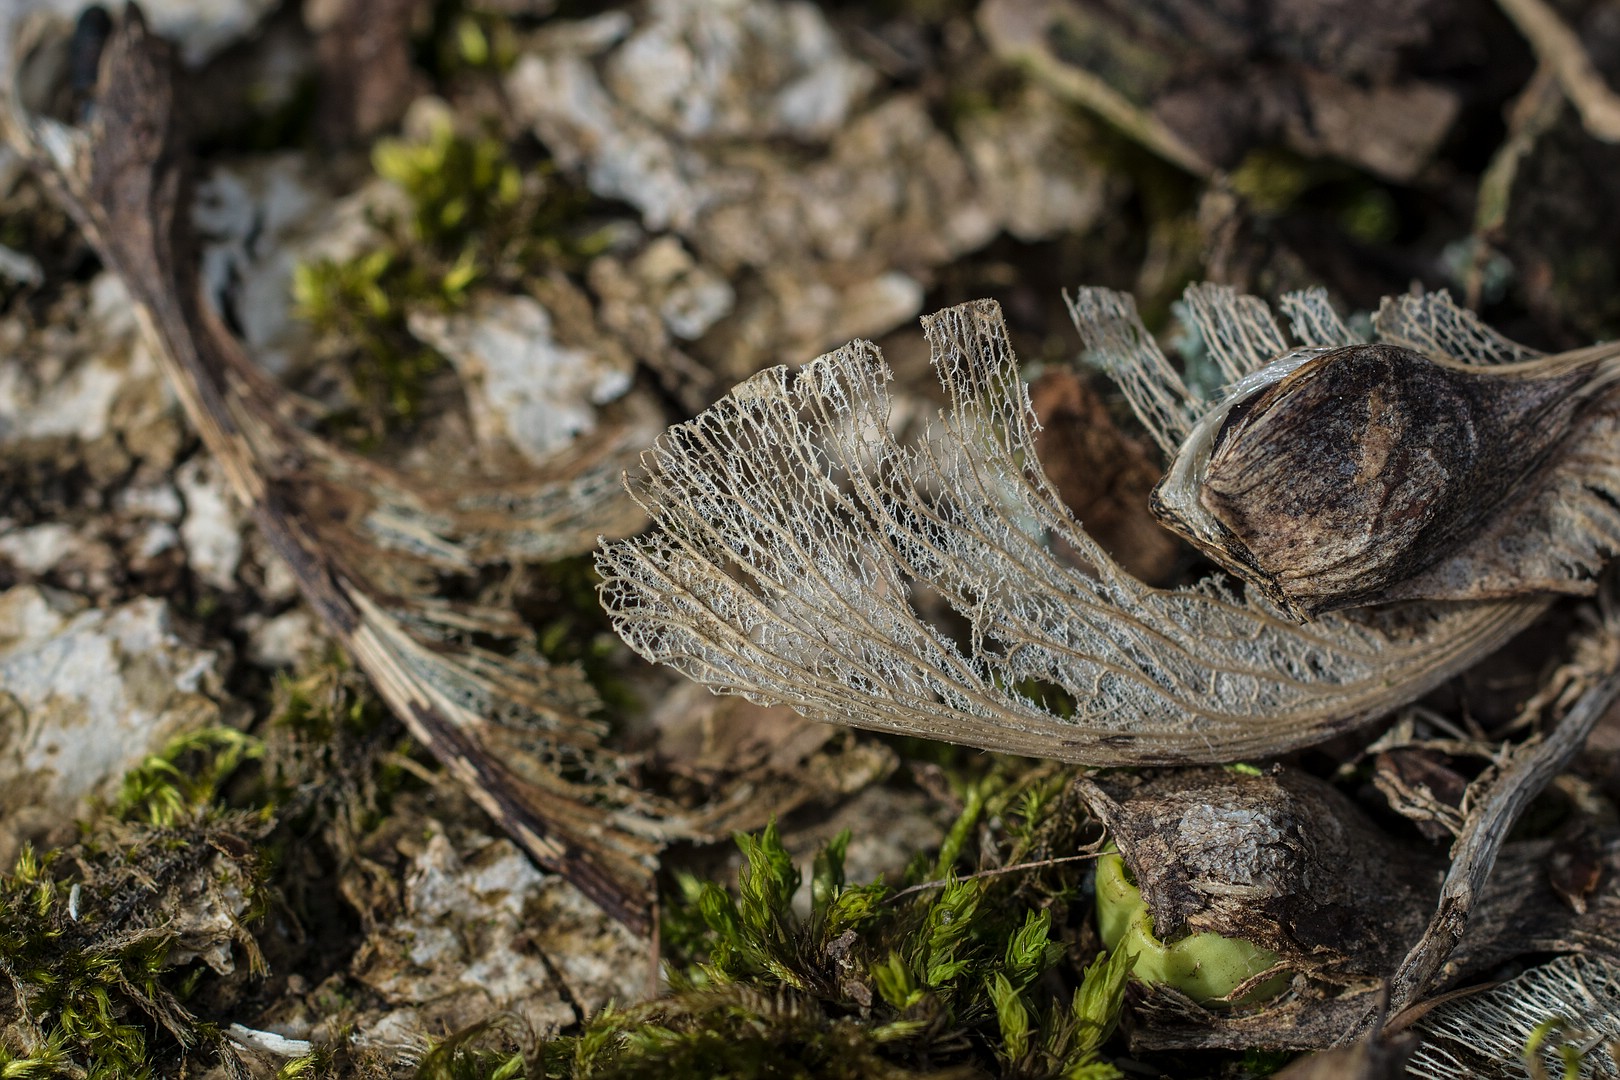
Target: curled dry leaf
(368, 544)
(791, 530)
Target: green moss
(1205, 967)
(1270, 180)
(955, 976)
(184, 780)
(356, 302)
(1256, 1063)
(1275, 181)
(324, 699)
(334, 755)
(462, 41)
(88, 955)
(468, 1055)
(99, 941)
(473, 213)
(1370, 215)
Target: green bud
(1205, 967)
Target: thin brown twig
(1039, 864)
(1557, 46)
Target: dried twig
(1020, 31)
(1495, 809)
(1557, 46)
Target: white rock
(36, 549)
(87, 694)
(689, 297)
(523, 387)
(879, 304)
(1023, 156)
(159, 501)
(623, 158)
(678, 119)
(82, 379)
(268, 1042)
(204, 28)
(111, 309)
(468, 940)
(739, 69)
(258, 222)
(19, 267)
(212, 529)
(278, 583)
(156, 538)
(282, 641)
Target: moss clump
(122, 950)
(956, 977)
(101, 943)
(185, 779)
(334, 757)
(1277, 182)
(355, 304)
(473, 213)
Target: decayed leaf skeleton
(1441, 466)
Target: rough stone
(483, 931)
(87, 695)
(747, 129)
(525, 388)
(212, 530)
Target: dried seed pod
(1282, 860)
(1339, 477)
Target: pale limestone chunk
(212, 530)
(524, 387)
(87, 695)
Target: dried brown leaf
(367, 544)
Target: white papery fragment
(792, 530)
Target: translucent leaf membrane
(792, 532)
(1570, 1006)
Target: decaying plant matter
(1220, 852)
(367, 544)
(1343, 476)
(791, 530)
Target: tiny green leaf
(1011, 1014)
